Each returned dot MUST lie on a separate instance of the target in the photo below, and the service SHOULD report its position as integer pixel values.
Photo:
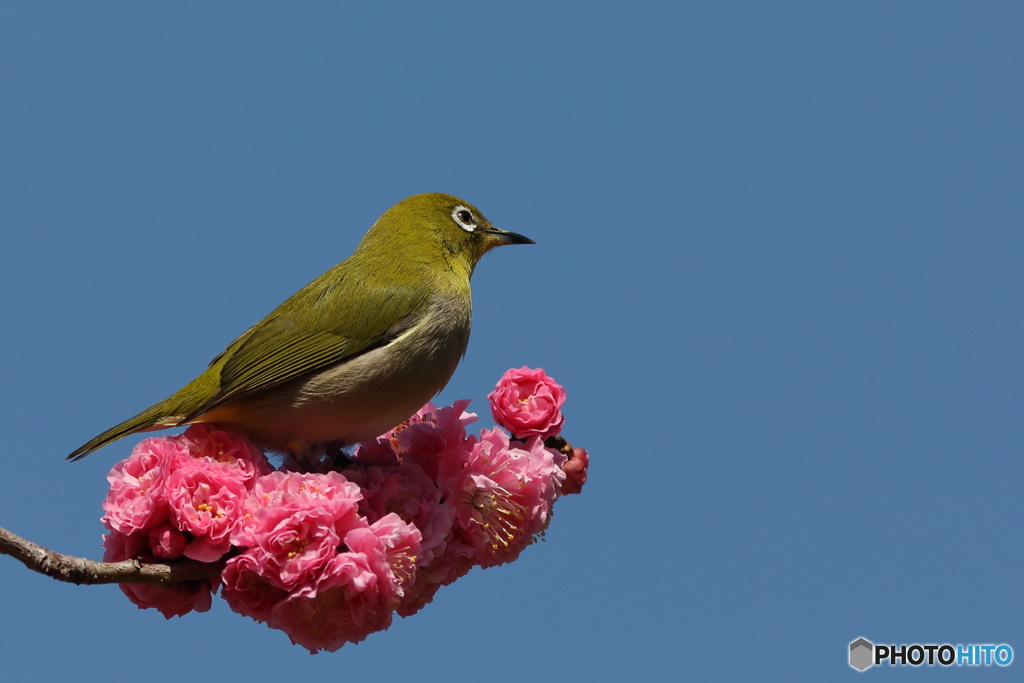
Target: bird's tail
(177, 410)
(160, 416)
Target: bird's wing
(321, 327)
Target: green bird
(353, 353)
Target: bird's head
(435, 229)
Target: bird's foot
(318, 458)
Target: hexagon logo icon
(862, 654)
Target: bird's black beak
(499, 237)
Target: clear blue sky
(778, 268)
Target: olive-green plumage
(355, 352)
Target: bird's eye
(464, 217)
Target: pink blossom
(137, 498)
(294, 524)
(406, 490)
(386, 450)
(445, 568)
(294, 544)
(354, 596)
(231, 450)
(575, 471)
(401, 543)
(437, 432)
(279, 492)
(246, 590)
(450, 422)
(527, 403)
(206, 500)
(184, 597)
(295, 578)
(167, 543)
(430, 428)
(502, 494)
(379, 452)
(546, 475)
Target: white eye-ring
(464, 218)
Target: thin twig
(81, 571)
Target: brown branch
(87, 572)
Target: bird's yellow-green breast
(356, 351)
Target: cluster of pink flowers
(330, 557)
(179, 496)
